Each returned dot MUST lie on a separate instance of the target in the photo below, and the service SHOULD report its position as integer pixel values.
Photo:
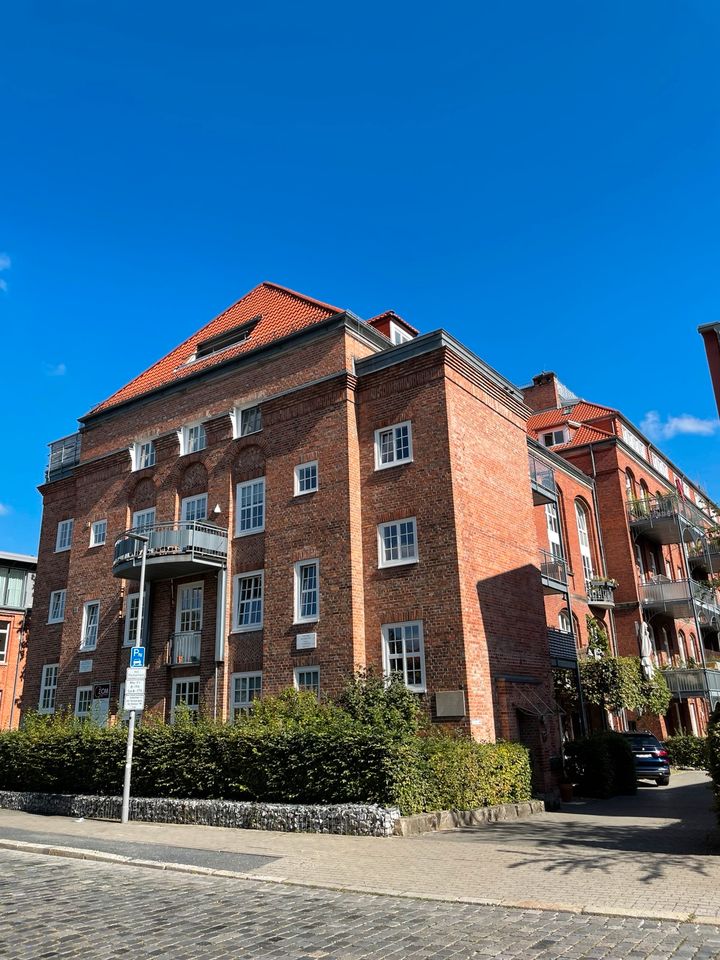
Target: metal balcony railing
(64, 457)
(184, 648)
(600, 594)
(693, 682)
(654, 510)
(172, 550)
(553, 568)
(542, 479)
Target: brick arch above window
(143, 495)
(250, 464)
(194, 479)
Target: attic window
(226, 339)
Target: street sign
(137, 656)
(135, 688)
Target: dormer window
(398, 334)
(554, 437)
(192, 438)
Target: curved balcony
(667, 519)
(178, 549)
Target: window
(143, 519)
(132, 605)
(186, 691)
(553, 531)
(564, 622)
(306, 478)
(307, 680)
(83, 702)
(307, 591)
(192, 439)
(48, 688)
(397, 542)
(142, 454)
(90, 624)
(393, 445)
(98, 533)
(189, 612)
(250, 507)
(403, 653)
(4, 639)
(581, 516)
(12, 587)
(245, 688)
(398, 334)
(57, 606)
(63, 540)
(554, 437)
(629, 485)
(681, 647)
(248, 601)
(194, 508)
(246, 420)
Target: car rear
(651, 758)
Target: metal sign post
(129, 681)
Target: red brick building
(659, 539)
(710, 332)
(320, 494)
(17, 579)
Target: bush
(713, 755)
(687, 750)
(603, 765)
(291, 748)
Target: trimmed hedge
(290, 750)
(687, 750)
(603, 765)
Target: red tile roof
(584, 434)
(383, 319)
(580, 412)
(281, 312)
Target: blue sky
(540, 179)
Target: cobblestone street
(54, 907)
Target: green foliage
(687, 750)
(290, 748)
(598, 641)
(713, 755)
(602, 764)
(656, 694)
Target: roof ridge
(298, 296)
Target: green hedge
(687, 750)
(713, 755)
(603, 765)
(290, 749)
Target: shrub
(463, 774)
(687, 750)
(713, 755)
(603, 764)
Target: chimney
(544, 392)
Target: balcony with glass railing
(176, 549)
(542, 481)
(184, 648)
(667, 518)
(64, 457)
(553, 573)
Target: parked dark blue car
(651, 757)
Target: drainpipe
(219, 632)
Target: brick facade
(17, 577)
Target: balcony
(542, 481)
(677, 598)
(704, 555)
(601, 593)
(667, 519)
(563, 652)
(177, 549)
(553, 573)
(184, 648)
(64, 457)
(693, 682)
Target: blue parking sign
(137, 656)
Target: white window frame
(4, 640)
(64, 535)
(184, 436)
(79, 692)
(197, 584)
(240, 706)
(193, 708)
(238, 413)
(403, 625)
(128, 633)
(298, 478)
(249, 485)
(138, 453)
(552, 520)
(556, 437)
(582, 519)
(95, 528)
(84, 645)
(399, 335)
(395, 462)
(48, 685)
(61, 602)
(400, 561)
(185, 504)
(564, 622)
(256, 625)
(296, 678)
(299, 618)
(141, 526)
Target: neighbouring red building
(320, 494)
(657, 537)
(17, 578)
(710, 332)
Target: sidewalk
(653, 855)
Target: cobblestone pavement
(69, 909)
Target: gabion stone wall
(358, 820)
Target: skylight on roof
(224, 340)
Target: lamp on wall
(217, 509)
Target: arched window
(629, 485)
(553, 530)
(665, 644)
(693, 649)
(564, 622)
(639, 563)
(583, 525)
(644, 492)
(681, 647)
